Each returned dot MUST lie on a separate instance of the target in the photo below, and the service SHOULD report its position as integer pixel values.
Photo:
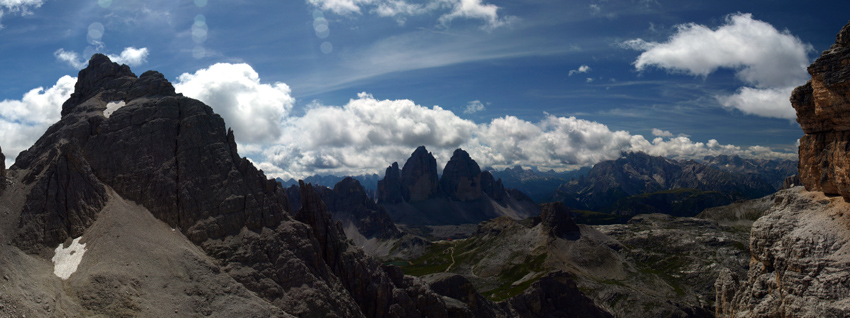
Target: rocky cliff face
(173, 156)
(389, 188)
(419, 176)
(823, 111)
(799, 263)
(464, 194)
(462, 177)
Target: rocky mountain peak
(419, 176)
(113, 82)
(462, 177)
(389, 188)
(823, 112)
(2, 164)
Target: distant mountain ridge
(625, 185)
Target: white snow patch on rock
(66, 260)
(111, 107)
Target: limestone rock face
(492, 187)
(419, 176)
(799, 266)
(462, 177)
(389, 188)
(823, 111)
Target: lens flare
(199, 32)
(200, 18)
(104, 3)
(95, 33)
(326, 47)
(201, 3)
(198, 52)
(320, 25)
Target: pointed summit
(419, 176)
(110, 81)
(462, 177)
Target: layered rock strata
(823, 111)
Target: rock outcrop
(419, 176)
(557, 222)
(823, 111)
(389, 188)
(462, 177)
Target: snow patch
(111, 107)
(66, 260)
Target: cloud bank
(367, 134)
(771, 63)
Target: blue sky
(349, 86)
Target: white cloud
(772, 61)
(18, 6)
(399, 9)
(23, 121)
(254, 110)
(72, 58)
(474, 107)
(589, 80)
(130, 56)
(661, 133)
(764, 102)
(581, 69)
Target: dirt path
(453, 259)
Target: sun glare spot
(199, 32)
(95, 33)
(199, 52)
(104, 3)
(326, 47)
(201, 3)
(320, 25)
(200, 18)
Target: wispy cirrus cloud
(449, 10)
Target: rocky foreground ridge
(171, 221)
(800, 248)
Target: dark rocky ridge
(389, 188)
(173, 155)
(557, 222)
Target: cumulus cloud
(581, 69)
(772, 61)
(661, 133)
(367, 134)
(399, 9)
(474, 107)
(130, 56)
(254, 110)
(23, 121)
